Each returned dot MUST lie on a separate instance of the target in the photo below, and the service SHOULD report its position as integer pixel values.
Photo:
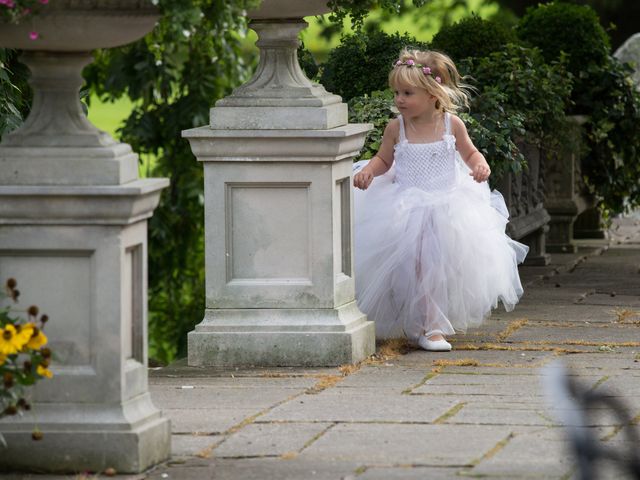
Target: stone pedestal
(562, 198)
(277, 159)
(278, 239)
(73, 232)
(79, 253)
(523, 194)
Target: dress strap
(403, 137)
(447, 123)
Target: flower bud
(7, 380)
(45, 363)
(27, 366)
(11, 410)
(33, 310)
(11, 283)
(46, 352)
(44, 319)
(36, 435)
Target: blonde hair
(451, 93)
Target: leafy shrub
(361, 63)
(537, 90)
(573, 29)
(493, 130)
(15, 93)
(359, 9)
(307, 63)
(603, 90)
(377, 109)
(611, 164)
(472, 37)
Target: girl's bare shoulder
(392, 130)
(457, 125)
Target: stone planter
(277, 159)
(524, 194)
(73, 231)
(573, 209)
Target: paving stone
(498, 415)
(269, 439)
(542, 453)
(345, 405)
(620, 301)
(602, 336)
(259, 469)
(295, 382)
(494, 385)
(202, 396)
(548, 294)
(190, 445)
(179, 368)
(206, 420)
(410, 472)
(571, 313)
(391, 377)
(604, 363)
(502, 357)
(407, 444)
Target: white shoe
(434, 345)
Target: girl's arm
(381, 162)
(480, 170)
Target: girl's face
(412, 101)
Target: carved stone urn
(73, 231)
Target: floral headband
(426, 70)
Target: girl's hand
(363, 179)
(480, 172)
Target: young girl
(431, 253)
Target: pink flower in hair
(426, 70)
(438, 79)
(410, 62)
(33, 35)
(398, 63)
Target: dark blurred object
(623, 14)
(572, 403)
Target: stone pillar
(277, 160)
(562, 172)
(523, 194)
(73, 232)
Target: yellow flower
(38, 340)
(10, 341)
(24, 333)
(44, 372)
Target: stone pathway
(478, 411)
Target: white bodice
(427, 166)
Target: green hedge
(361, 63)
(472, 37)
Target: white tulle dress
(431, 253)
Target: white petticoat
(432, 262)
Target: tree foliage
(174, 75)
(361, 63)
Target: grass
(109, 116)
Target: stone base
(129, 438)
(282, 337)
(114, 164)
(259, 117)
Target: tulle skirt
(432, 262)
